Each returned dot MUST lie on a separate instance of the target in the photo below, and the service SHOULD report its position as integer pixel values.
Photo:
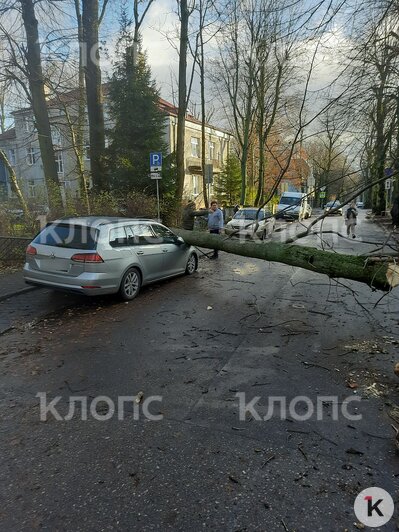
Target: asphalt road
(237, 326)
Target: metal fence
(12, 248)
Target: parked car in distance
(360, 205)
(333, 207)
(293, 205)
(244, 223)
(94, 256)
(14, 214)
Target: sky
(160, 26)
(160, 36)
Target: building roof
(8, 135)
(72, 96)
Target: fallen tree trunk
(378, 273)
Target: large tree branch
(378, 273)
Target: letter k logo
(373, 507)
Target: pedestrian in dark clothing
(395, 212)
(215, 224)
(189, 213)
(351, 219)
(236, 208)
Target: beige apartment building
(22, 148)
(218, 144)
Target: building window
(211, 150)
(32, 188)
(28, 125)
(56, 137)
(30, 156)
(12, 157)
(195, 148)
(59, 161)
(195, 185)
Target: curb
(18, 292)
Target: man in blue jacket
(215, 224)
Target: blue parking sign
(155, 161)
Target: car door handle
(140, 252)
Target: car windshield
(290, 200)
(333, 204)
(68, 236)
(249, 214)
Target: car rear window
(68, 236)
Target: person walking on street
(215, 223)
(189, 213)
(395, 212)
(350, 219)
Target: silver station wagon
(95, 256)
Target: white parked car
(244, 223)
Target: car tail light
(30, 250)
(87, 257)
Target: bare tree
(39, 106)
(138, 21)
(14, 183)
(182, 108)
(91, 19)
(207, 15)
(234, 76)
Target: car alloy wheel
(130, 285)
(191, 264)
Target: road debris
(139, 397)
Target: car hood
(242, 223)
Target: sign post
(155, 173)
(322, 196)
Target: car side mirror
(179, 240)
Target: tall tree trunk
(181, 117)
(39, 106)
(90, 20)
(14, 183)
(203, 114)
(396, 158)
(3, 90)
(380, 155)
(243, 164)
(80, 140)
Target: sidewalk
(386, 223)
(12, 284)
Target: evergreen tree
(228, 183)
(139, 125)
